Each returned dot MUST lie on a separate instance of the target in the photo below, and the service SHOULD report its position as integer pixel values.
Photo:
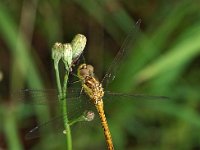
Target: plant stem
(64, 111)
(58, 80)
(62, 98)
(80, 118)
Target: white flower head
(57, 51)
(67, 55)
(78, 44)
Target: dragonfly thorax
(92, 87)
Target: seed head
(57, 52)
(67, 55)
(78, 45)
(89, 115)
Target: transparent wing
(43, 96)
(45, 127)
(111, 72)
(76, 116)
(123, 96)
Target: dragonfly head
(85, 70)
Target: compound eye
(84, 72)
(83, 66)
(90, 68)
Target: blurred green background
(163, 60)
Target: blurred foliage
(162, 60)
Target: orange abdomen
(104, 123)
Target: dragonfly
(94, 89)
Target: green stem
(62, 98)
(81, 118)
(58, 80)
(64, 111)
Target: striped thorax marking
(91, 85)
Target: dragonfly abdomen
(99, 107)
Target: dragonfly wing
(56, 124)
(113, 68)
(43, 96)
(123, 96)
(45, 128)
